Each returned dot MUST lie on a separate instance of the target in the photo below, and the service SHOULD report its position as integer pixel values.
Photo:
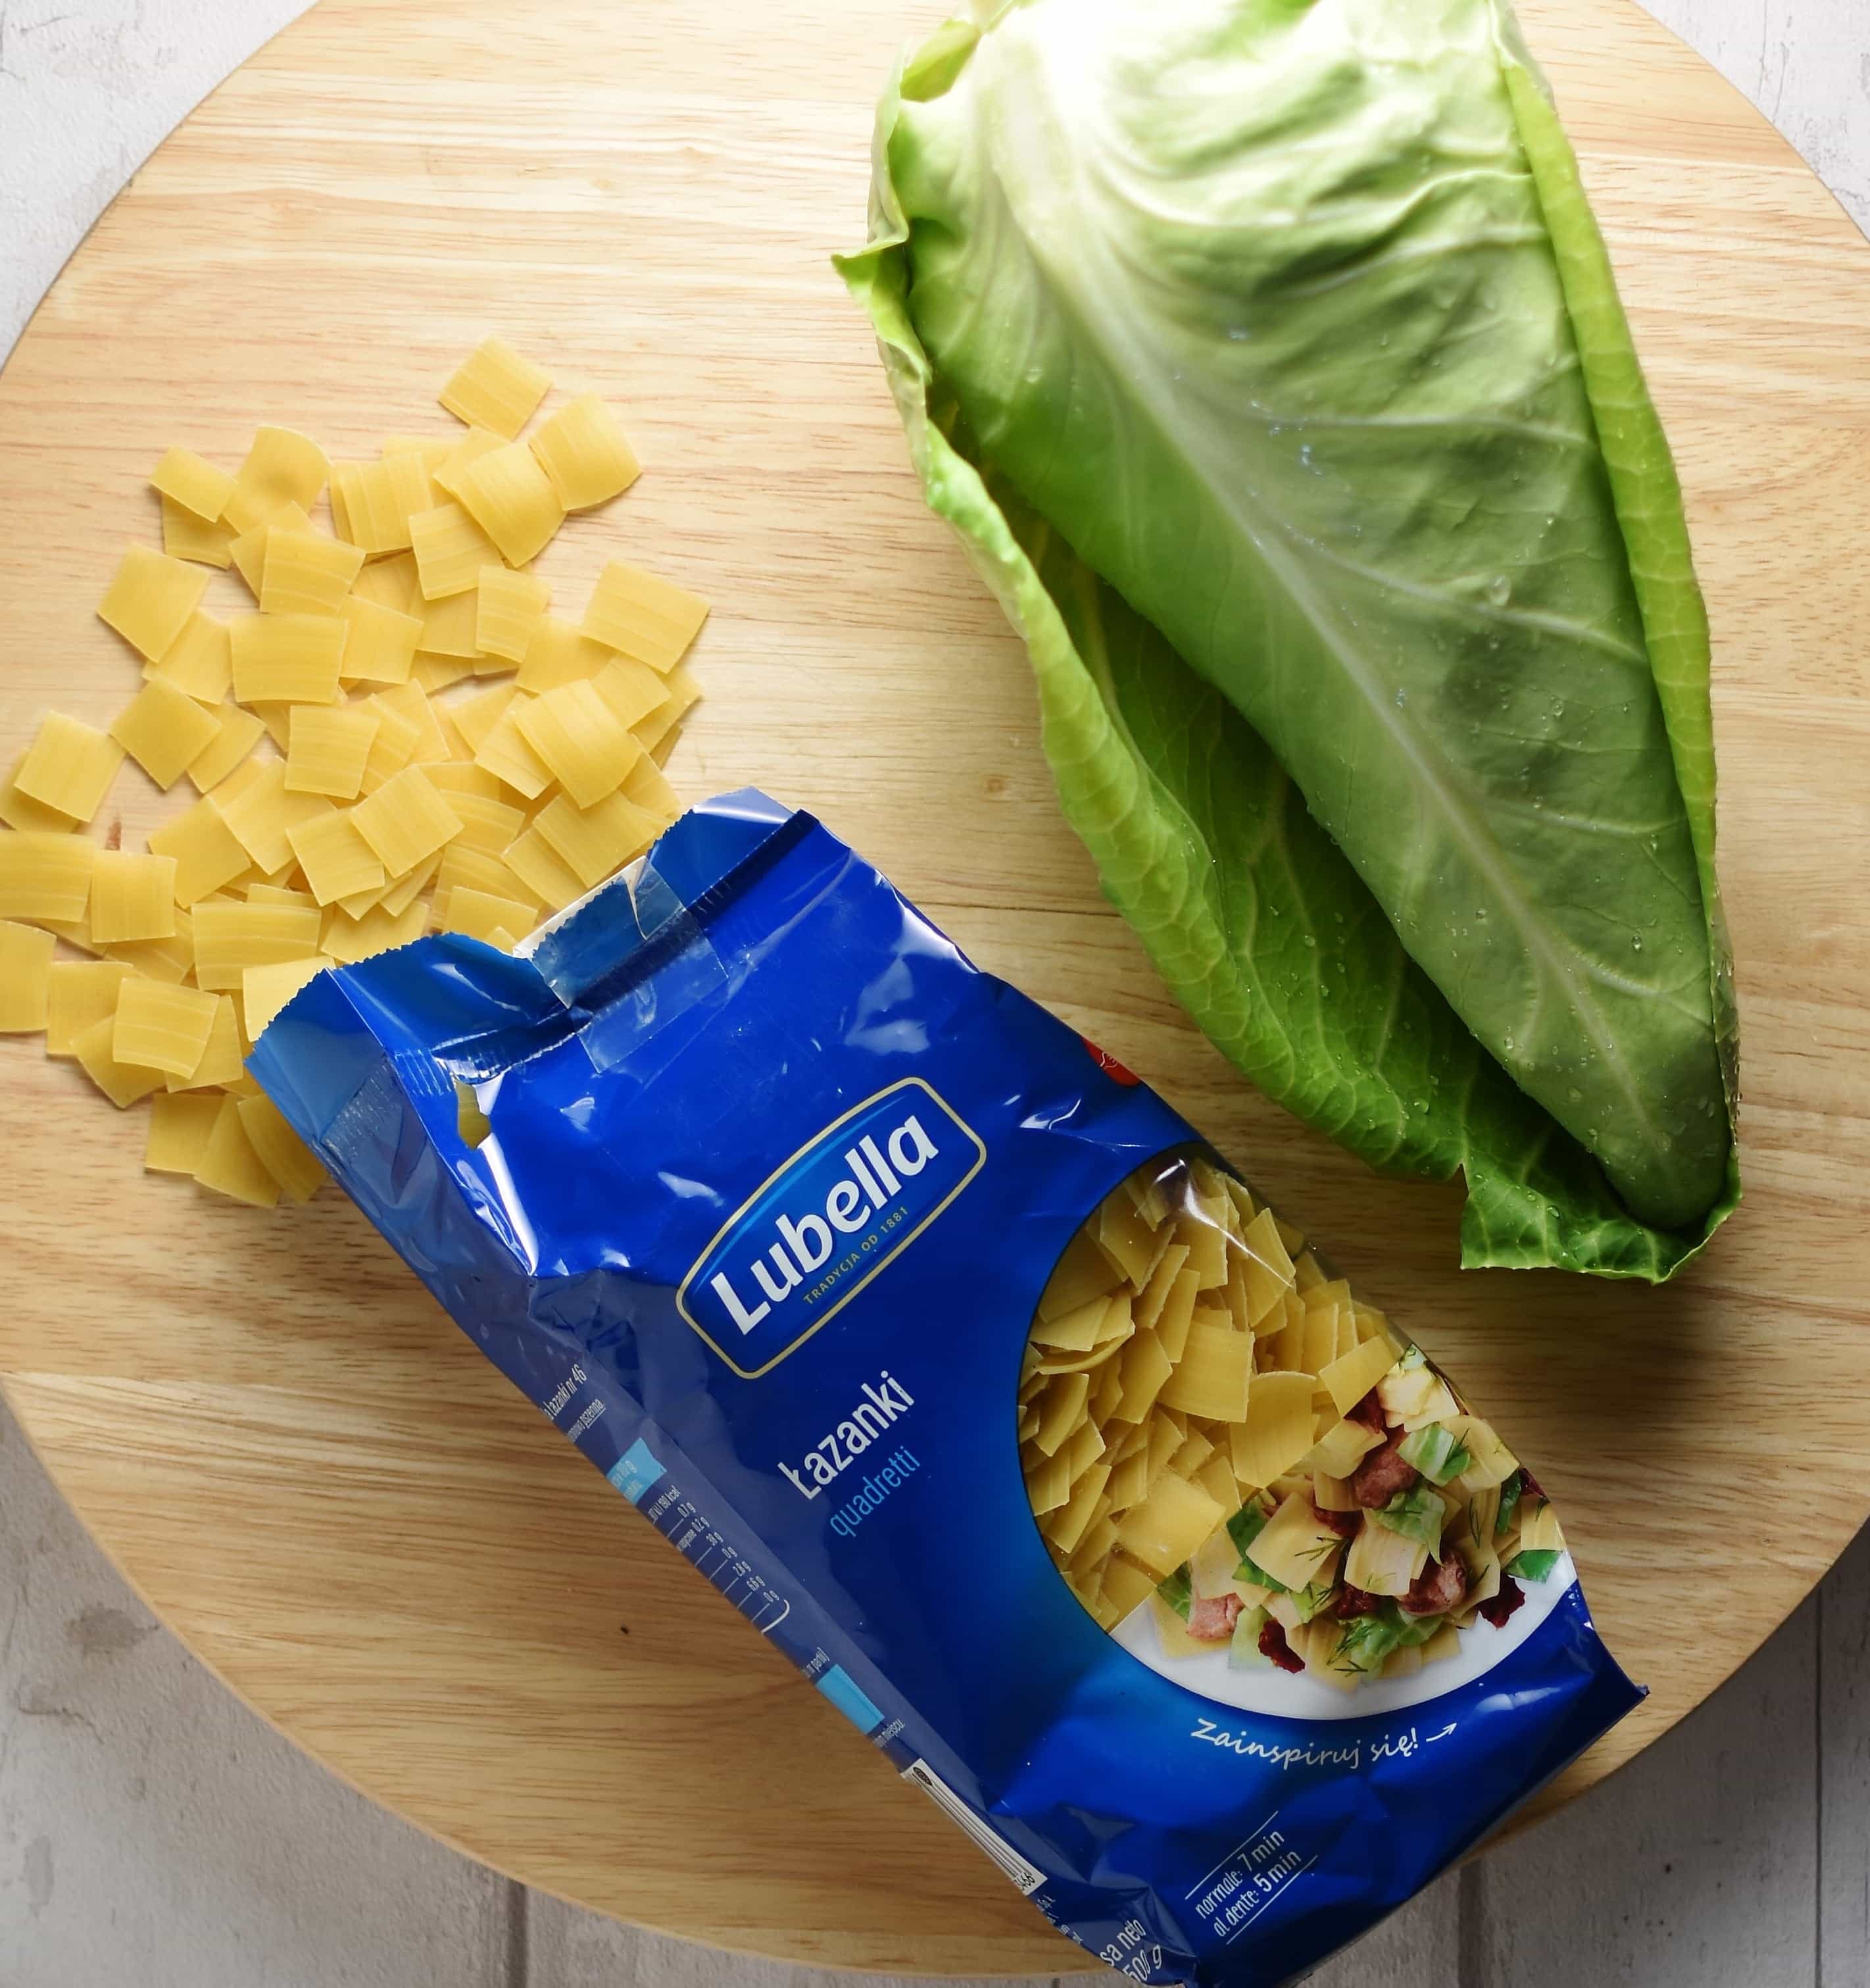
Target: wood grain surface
(277, 1435)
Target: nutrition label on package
(648, 1486)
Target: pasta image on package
(793, 1219)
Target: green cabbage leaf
(1267, 357)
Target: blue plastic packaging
(770, 1181)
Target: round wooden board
(285, 1445)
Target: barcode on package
(1028, 1877)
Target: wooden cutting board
(315, 1482)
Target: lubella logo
(833, 1217)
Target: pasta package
(1062, 1464)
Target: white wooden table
(153, 1830)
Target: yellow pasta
(185, 536)
(1295, 1546)
(220, 1062)
(633, 692)
(282, 467)
(157, 1026)
(21, 811)
(1279, 1427)
(78, 993)
(479, 915)
(348, 940)
(123, 1083)
(25, 960)
(150, 599)
(405, 820)
(1169, 1524)
(446, 475)
(648, 786)
(194, 482)
(230, 1166)
(181, 1123)
(350, 665)
(306, 573)
(70, 766)
(412, 702)
(328, 745)
(1211, 1378)
(509, 607)
(507, 754)
(495, 388)
(450, 626)
(132, 897)
(337, 861)
(594, 842)
(265, 990)
(163, 731)
(276, 716)
(379, 642)
(474, 717)
(287, 658)
(584, 451)
(391, 582)
(1540, 1531)
(372, 502)
(237, 732)
(556, 653)
(299, 1171)
(450, 549)
(486, 823)
(681, 693)
(75, 931)
(45, 875)
(507, 494)
(392, 747)
(463, 867)
(170, 958)
(247, 776)
(199, 662)
(261, 813)
(649, 619)
(434, 672)
(1268, 1269)
(402, 893)
(543, 871)
(578, 740)
(1351, 1376)
(248, 550)
(462, 776)
(208, 854)
(229, 937)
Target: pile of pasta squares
(1191, 1363)
(401, 735)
